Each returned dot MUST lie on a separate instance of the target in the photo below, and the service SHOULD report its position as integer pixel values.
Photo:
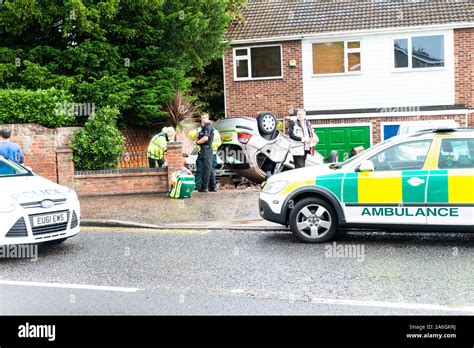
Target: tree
(99, 145)
(180, 112)
(131, 54)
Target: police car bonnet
(30, 189)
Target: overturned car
(256, 149)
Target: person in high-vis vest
(157, 147)
(216, 143)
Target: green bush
(100, 144)
(36, 106)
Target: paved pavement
(158, 209)
(139, 271)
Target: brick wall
(376, 122)
(99, 183)
(464, 66)
(247, 98)
(39, 145)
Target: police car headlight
(7, 207)
(274, 187)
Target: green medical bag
(182, 185)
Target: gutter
(351, 33)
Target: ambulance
(413, 182)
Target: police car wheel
(313, 220)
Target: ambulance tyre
(313, 220)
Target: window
(456, 153)
(405, 156)
(9, 168)
(419, 52)
(336, 57)
(257, 62)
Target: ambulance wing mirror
(366, 166)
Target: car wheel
(267, 123)
(313, 220)
(333, 156)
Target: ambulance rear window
(456, 153)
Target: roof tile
(274, 18)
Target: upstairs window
(419, 52)
(336, 57)
(260, 62)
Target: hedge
(44, 106)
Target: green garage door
(342, 139)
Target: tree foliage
(129, 54)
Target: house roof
(277, 18)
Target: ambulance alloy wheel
(313, 220)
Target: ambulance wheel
(313, 220)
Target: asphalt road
(117, 271)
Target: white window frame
(346, 60)
(248, 57)
(409, 48)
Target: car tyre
(313, 220)
(267, 123)
(333, 156)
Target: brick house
(360, 69)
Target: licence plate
(226, 137)
(44, 220)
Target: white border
(249, 59)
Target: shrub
(39, 106)
(100, 144)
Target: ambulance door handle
(416, 181)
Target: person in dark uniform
(204, 140)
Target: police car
(33, 209)
(420, 181)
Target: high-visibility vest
(216, 141)
(157, 147)
(193, 134)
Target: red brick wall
(377, 122)
(464, 66)
(39, 146)
(247, 98)
(110, 184)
